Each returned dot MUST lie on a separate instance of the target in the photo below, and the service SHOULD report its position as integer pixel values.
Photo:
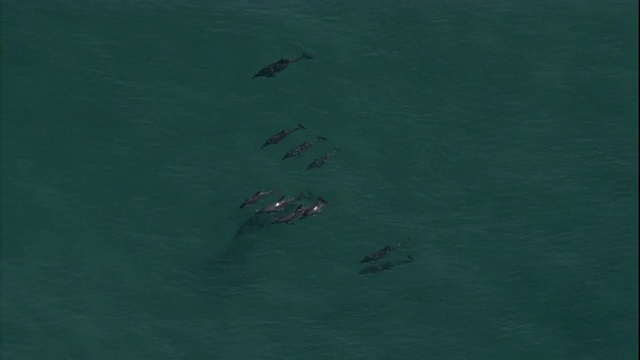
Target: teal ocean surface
(500, 137)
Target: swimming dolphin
(296, 151)
(271, 69)
(296, 213)
(257, 196)
(281, 135)
(385, 266)
(382, 253)
(321, 160)
(281, 204)
(315, 208)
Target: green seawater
(501, 137)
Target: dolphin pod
(303, 211)
(285, 210)
(258, 219)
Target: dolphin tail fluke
(306, 56)
(301, 126)
(321, 138)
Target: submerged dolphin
(385, 266)
(321, 160)
(271, 69)
(382, 252)
(296, 151)
(276, 138)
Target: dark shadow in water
(256, 222)
(228, 271)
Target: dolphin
(382, 252)
(257, 196)
(321, 160)
(296, 151)
(385, 266)
(281, 135)
(296, 213)
(281, 204)
(315, 208)
(271, 69)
